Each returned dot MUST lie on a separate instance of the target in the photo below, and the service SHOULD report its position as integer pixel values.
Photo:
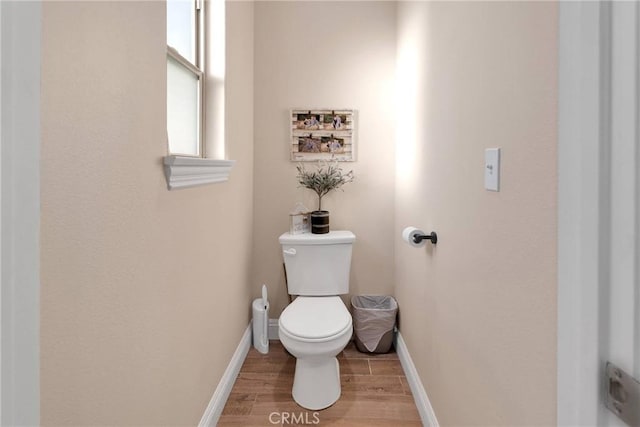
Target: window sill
(184, 172)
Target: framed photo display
(322, 134)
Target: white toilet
(316, 326)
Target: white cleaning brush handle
(265, 304)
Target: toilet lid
(315, 317)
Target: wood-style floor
(375, 392)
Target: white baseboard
(427, 415)
(219, 399)
(273, 329)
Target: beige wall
(318, 54)
(478, 311)
(145, 292)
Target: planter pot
(320, 222)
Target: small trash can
(374, 317)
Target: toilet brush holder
(260, 322)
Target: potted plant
(326, 178)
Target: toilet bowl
(315, 330)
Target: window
(185, 77)
(195, 79)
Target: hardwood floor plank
(275, 397)
(235, 397)
(276, 351)
(399, 408)
(351, 352)
(372, 384)
(238, 409)
(281, 403)
(248, 382)
(354, 367)
(385, 367)
(405, 385)
(239, 404)
(246, 421)
(270, 366)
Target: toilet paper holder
(417, 238)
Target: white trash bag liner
(373, 317)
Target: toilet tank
(317, 264)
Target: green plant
(324, 179)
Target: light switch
(492, 169)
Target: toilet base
(316, 384)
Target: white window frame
(198, 69)
(185, 170)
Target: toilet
(316, 326)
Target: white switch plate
(492, 169)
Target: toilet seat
(315, 319)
